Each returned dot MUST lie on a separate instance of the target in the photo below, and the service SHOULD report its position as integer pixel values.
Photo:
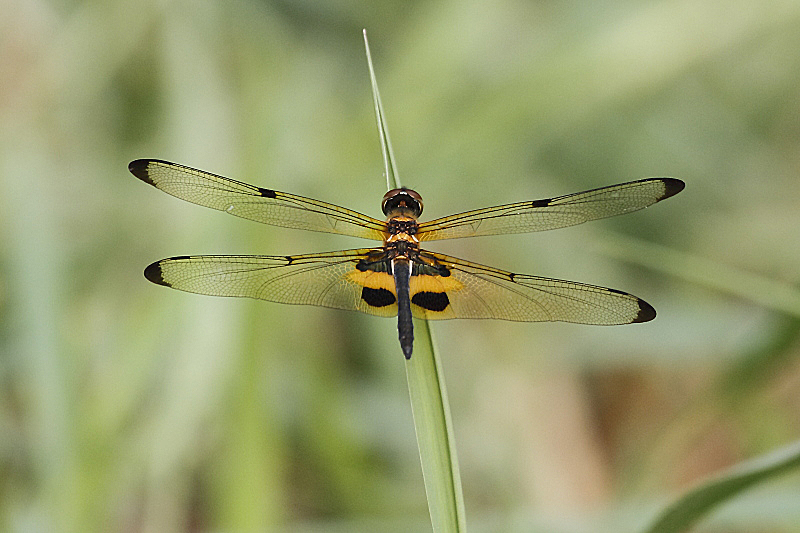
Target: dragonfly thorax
(405, 225)
(403, 248)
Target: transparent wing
(332, 280)
(326, 279)
(477, 291)
(552, 213)
(254, 203)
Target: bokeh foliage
(128, 407)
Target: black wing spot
(267, 193)
(138, 168)
(540, 203)
(377, 297)
(154, 274)
(432, 301)
(646, 312)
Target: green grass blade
(389, 163)
(426, 386)
(696, 503)
(435, 433)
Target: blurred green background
(129, 407)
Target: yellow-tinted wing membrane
(552, 213)
(476, 291)
(255, 203)
(326, 279)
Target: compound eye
(402, 200)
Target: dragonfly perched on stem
(399, 277)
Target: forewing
(327, 279)
(254, 203)
(476, 291)
(552, 213)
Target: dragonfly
(398, 277)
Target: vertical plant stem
(435, 438)
(426, 386)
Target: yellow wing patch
(378, 295)
(429, 296)
(428, 293)
(372, 280)
(421, 283)
(425, 283)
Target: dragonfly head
(402, 202)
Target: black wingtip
(646, 312)
(153, 273)
(672, 186)
(138, 168)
